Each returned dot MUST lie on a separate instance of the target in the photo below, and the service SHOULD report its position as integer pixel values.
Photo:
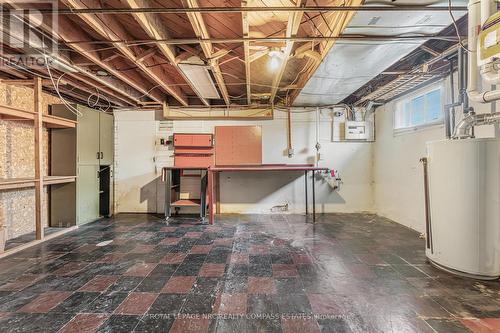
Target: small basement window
(421, 110)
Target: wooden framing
(201, 31)
(38, 126)
(153, 26)
(292, 27)
(113, 30)
(112, 36)
(40, 120)
(246, 50)
(68, 32)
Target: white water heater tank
(464, 206)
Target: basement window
(420, 110)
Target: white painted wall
(398, 174)
(246, 192)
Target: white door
(135, 175)
(88, 193)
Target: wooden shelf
(17, 183)
(186, 203)
(52, 180)
(57, 122)
(10, 113)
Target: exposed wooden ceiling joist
(112, 29)
(201, 31)
(119, 90)
(214, 9)
(294, 19)
(246, 50)
(155, 28)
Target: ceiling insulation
(351, 64)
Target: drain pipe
(464, 128)
(476, 15)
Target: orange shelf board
(186, 203)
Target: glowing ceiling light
(275, 56)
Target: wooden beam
(38, 127)
(68, 32)
(110, 57)
(155, 28)
(146, 54)
(294, 19)
(246, 50)
(110, 28)
(201, 31)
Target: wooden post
(217, 192)
(38, 128)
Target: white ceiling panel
(351, 64)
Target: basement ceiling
(351, 64)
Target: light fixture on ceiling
(275, 55)
(196, 72)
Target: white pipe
(474, 26)
(486, 10)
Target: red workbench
(215, 170)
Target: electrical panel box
(357, 130)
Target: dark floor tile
(77, 302)
(152, 284)
(264, 325)
(237, 284)
(334, 326)
(167, 304)
(119, 323)
(21, 322)
(163, 270)
(45, 302)
(106, 303)
(154, 323)
(285, 285)
(84, 322)
(294, 303)
(263, 304)
(205, 285)
(198, 304)
(125, 284)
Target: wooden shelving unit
(48, 121)
(40, 121)
(17, 183)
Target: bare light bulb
(274, 63)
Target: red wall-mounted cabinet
(193, 140)
(193, 150)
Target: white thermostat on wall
(356, 130)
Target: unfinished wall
(135, 171)
(17, 160)
(398, 174)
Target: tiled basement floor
(349, 273)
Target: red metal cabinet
(193, 140)
(193, 150)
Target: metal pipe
(179, 41)
(161, 10)
(464, 127)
